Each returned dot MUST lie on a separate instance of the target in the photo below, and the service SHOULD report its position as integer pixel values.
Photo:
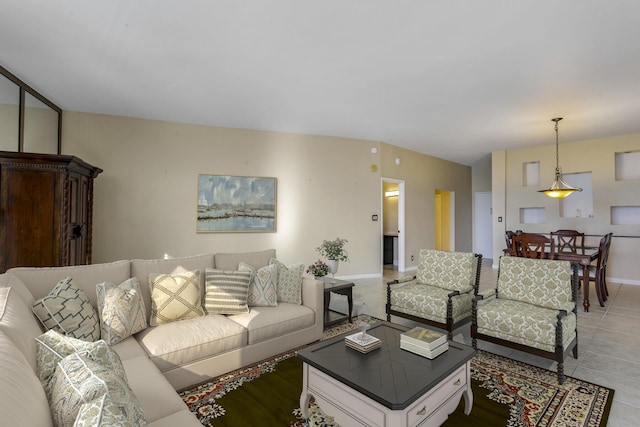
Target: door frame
(401, 223)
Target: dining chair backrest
(508, 239)
(532, 245)
(568, 240)
(603, 253)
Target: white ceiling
(453, 79)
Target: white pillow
(121, 310)
(175, 297)
(262, 289)
(227, 291)
(67, 309)
(289, 281)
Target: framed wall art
(236, 204)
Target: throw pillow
(67, 309)
(87, 393)
(289, 281)
(52, 347)
(262, 289)
(175, 297)
(121, 310)
(227, 291)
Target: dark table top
(340, 284)
(389, 375)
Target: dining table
(583, 256)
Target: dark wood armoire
(46, 209)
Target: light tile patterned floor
(609, 338)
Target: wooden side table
(341, 287)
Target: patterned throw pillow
(289, 281)
(227, 291)
(87, 393)
(52, 347)
(262, 289)
(68, 310)
(175, 297)
(121, 310)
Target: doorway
(392, 226)
(445, 236)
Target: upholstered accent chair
(532, 309)
(442, 292)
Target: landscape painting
(236, 204)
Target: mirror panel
(9, 115)
(40, 127)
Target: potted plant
(318, 269)
(334, 251)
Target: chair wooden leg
(560, 372)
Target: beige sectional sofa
(157, 360)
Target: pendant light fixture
(559, 189)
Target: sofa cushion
(19, 324)
(262, 289)
(10, 280)
(179, 343)
(264, 323)
(227, 291)
(40, 279)
(175, 297)
(430, 302)
(87, 393)
(524, 323)
(231, 261)
(121, 310)
(143, 268)
(156, 396)
(68, 310)
(52, 347)
(289, 281)
(22, 399)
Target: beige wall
(423, 175)
(9, 115)
(145, 200)
(595, 156)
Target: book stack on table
(424, 342)
(363, 343)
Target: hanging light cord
(557, 156)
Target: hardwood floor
(609, 342)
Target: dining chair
(532, 245)
(598, 272)
(508, 239)
(571, 240)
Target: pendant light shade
(559, 189)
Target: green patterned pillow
(68, 310)
(262, 289)
(227, 291)
(121, 310)
(52, 347)
(175, 297)
(87, 393)
(289, 281)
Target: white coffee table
(387, 387)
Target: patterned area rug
(506, 392)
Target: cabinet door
(77, 225)
(29, 216)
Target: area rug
(506, 393)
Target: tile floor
(609, 342)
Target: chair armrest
(402, 279)
(485, 295)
